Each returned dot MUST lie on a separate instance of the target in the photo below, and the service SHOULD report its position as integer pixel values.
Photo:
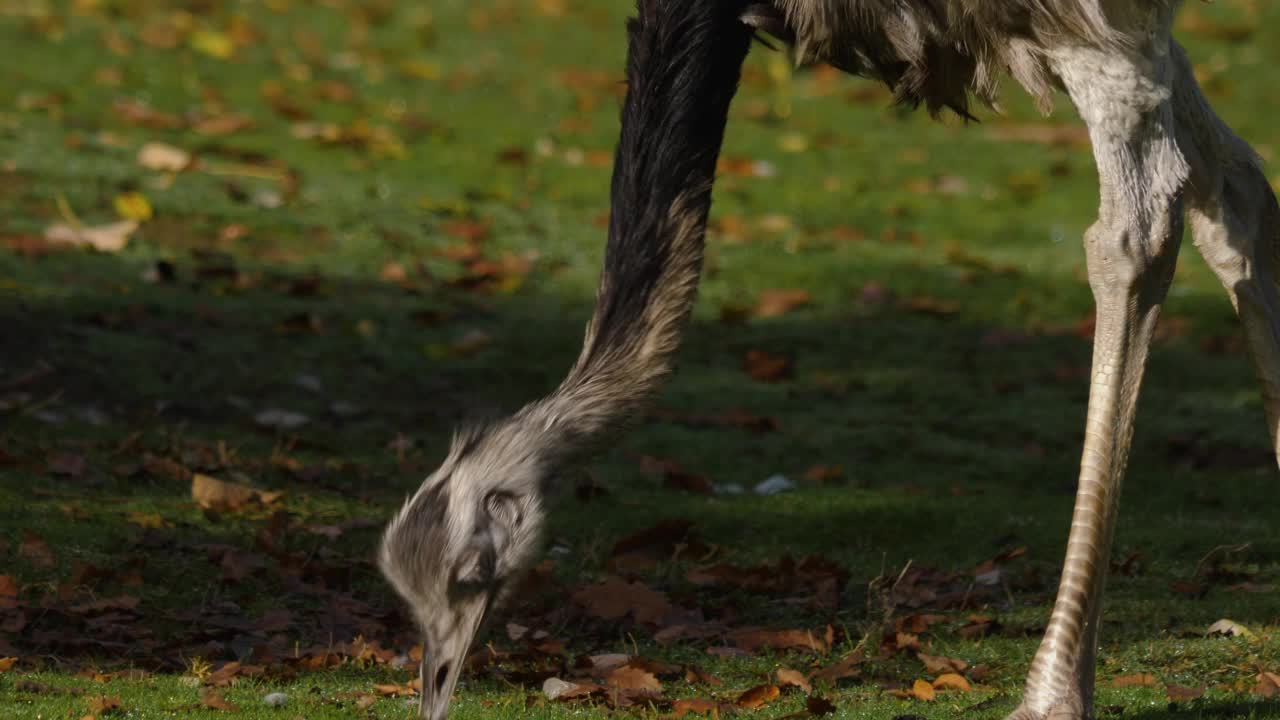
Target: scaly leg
(1236, 225)
(1131, 253)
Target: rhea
(1164, 158)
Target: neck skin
(683, 66)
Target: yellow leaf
(923, 690)
(146, 520)
(212, 43)
(953, 681)
(133, 206)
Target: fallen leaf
(635, 679)
(133, 206)
(7, 663)
(757, 697)
(752, 639)
(104, 238)
(1134, 680)
(213, 700)
(846, 667)
(36, 550)
(941, 664)
(923, 690)
(1268, 684)
(394, 690)
(8, 593)
(1182, 693)
(211, 493)
(787, 676)
(163, 157)
(103, 704)
(952, 681)
(775, 303)
(614, 598)
(819, 706)
(697, 706)
(1230, 628)
(767, 367)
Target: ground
(361, 223)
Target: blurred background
(257, 259)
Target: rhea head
(461, 541)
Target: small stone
(275, 699)
(554, 687)
(774, 485)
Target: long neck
(683, 65)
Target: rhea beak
(444, 655)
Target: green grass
(958, 433)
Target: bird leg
(1131, 252)
(1235, 223)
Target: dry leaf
(818, 706)
(923, 690)
(133, 206)
(635, 679)
(1268, 684)
(1182, 693)
(36, 550)
(766, 367)
(847, 667)
(614, 598)
(752, 639)
(213, 494)
(213, 700)
(774, 303)
(697, 706)
(7, 663)
(787, 676)
(757, 697)
(942, 664)
(163, 157)
(1230, 628)
(103, 704)
(951, 681)
(1134, 680)
(104, 238)
(394, 690)
(8, 592)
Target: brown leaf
(103, 704)
(394, 690)
(787, 676)
(757, 697)
(1182, 693)
(8, 593)
(163, 157)
(7, 663)
(697, 706)
(213, 494)
(847, 667)
(922, 690)
(614, 598)
(766, 367)
(819, 706)
(752, 639)
(1268, 684)
(635, 679)
(1134, 680)
(774, 303)
(105, 238)
(942, 664)
(213, 700)
(36, 550)
(952, 681)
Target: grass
(304, 265)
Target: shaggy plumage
(939, 52)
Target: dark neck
(683, 66)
